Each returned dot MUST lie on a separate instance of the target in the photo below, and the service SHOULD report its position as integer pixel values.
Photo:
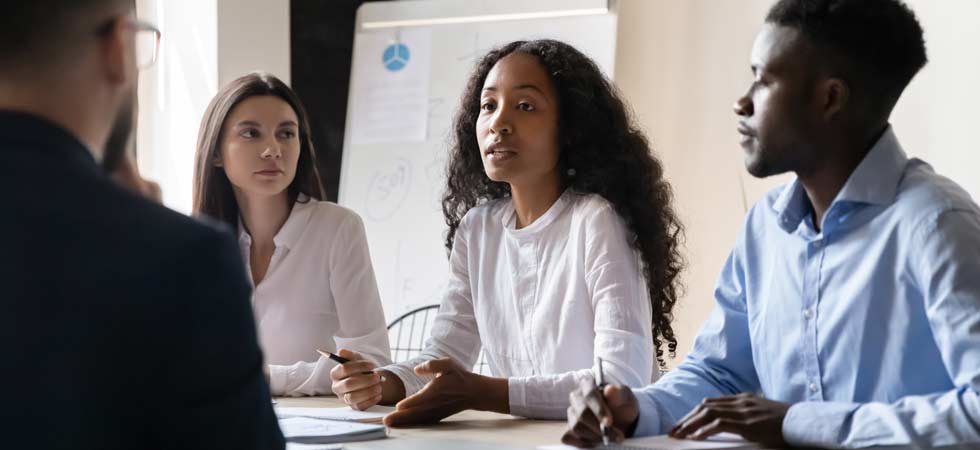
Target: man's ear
(834, 94)
(117, 52)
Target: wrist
(392, 388)
(493, 394)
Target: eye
(525, 106)
(488, 106)
(249, 133)
(287, 134)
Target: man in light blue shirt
(848, 313)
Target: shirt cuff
(278, 376)
(517, 397)
(412, 382)
(816, 424)
(648, 423)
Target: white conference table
(476, 426)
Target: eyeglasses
(147, 40)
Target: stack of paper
(306, 430)
(373, 414)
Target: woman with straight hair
(563, 248)
(314, 286)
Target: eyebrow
(252, 123)
(523, 86)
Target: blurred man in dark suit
(122, 324)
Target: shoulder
(329, 214)
(923, 195)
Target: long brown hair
(213, 194)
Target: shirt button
(817, 244)
(813, 387)
(807, 314)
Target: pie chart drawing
(396, 57)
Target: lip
(499, 147)
(745, 130)
(269, 172)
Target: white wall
(682, 64)
(205, 44)
(253, 35)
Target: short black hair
(33, 32)
(880, 39)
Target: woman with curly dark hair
(564, 249)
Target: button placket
(811, 298)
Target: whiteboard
(396, 186)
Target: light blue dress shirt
(870, 327)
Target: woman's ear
(216, 161)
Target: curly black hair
(609, 156)
(881, 40)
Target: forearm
(937, 420)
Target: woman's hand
(355, 382)
(453, 390)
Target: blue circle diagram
(396, 57)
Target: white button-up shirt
(319, 292)
(543, 301)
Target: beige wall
(682, 64)
(253, 35)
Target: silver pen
(601, 384)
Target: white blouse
(543, 301)
(319, 292)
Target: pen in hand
(601, 385)
(340, 360)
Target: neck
(824, 183)
(263, 216)
(66, 111)
(533, 199)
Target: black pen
(341, 360)
(338, 359)
(601, 384)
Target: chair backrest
(408, 333)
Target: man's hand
(617, 408)
(752, 417)
(453, 390)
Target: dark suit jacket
(122, 324)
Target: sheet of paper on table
(725, 441)
(373, 414)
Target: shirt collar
(875, 181)
(292, 230)
(29, 130)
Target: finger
(358, 382)
(728, 399)
(424, 396)
(706, 415)
(583, 421)
(354, 368)
(349, 354)
(577, 435)
(436, 366)
(354, 398)
(597, 406)
(362, 405)
(417, 416)
(569, 438)
(719, 426)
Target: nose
(272, 151)
(501, 123)
(743, 106)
